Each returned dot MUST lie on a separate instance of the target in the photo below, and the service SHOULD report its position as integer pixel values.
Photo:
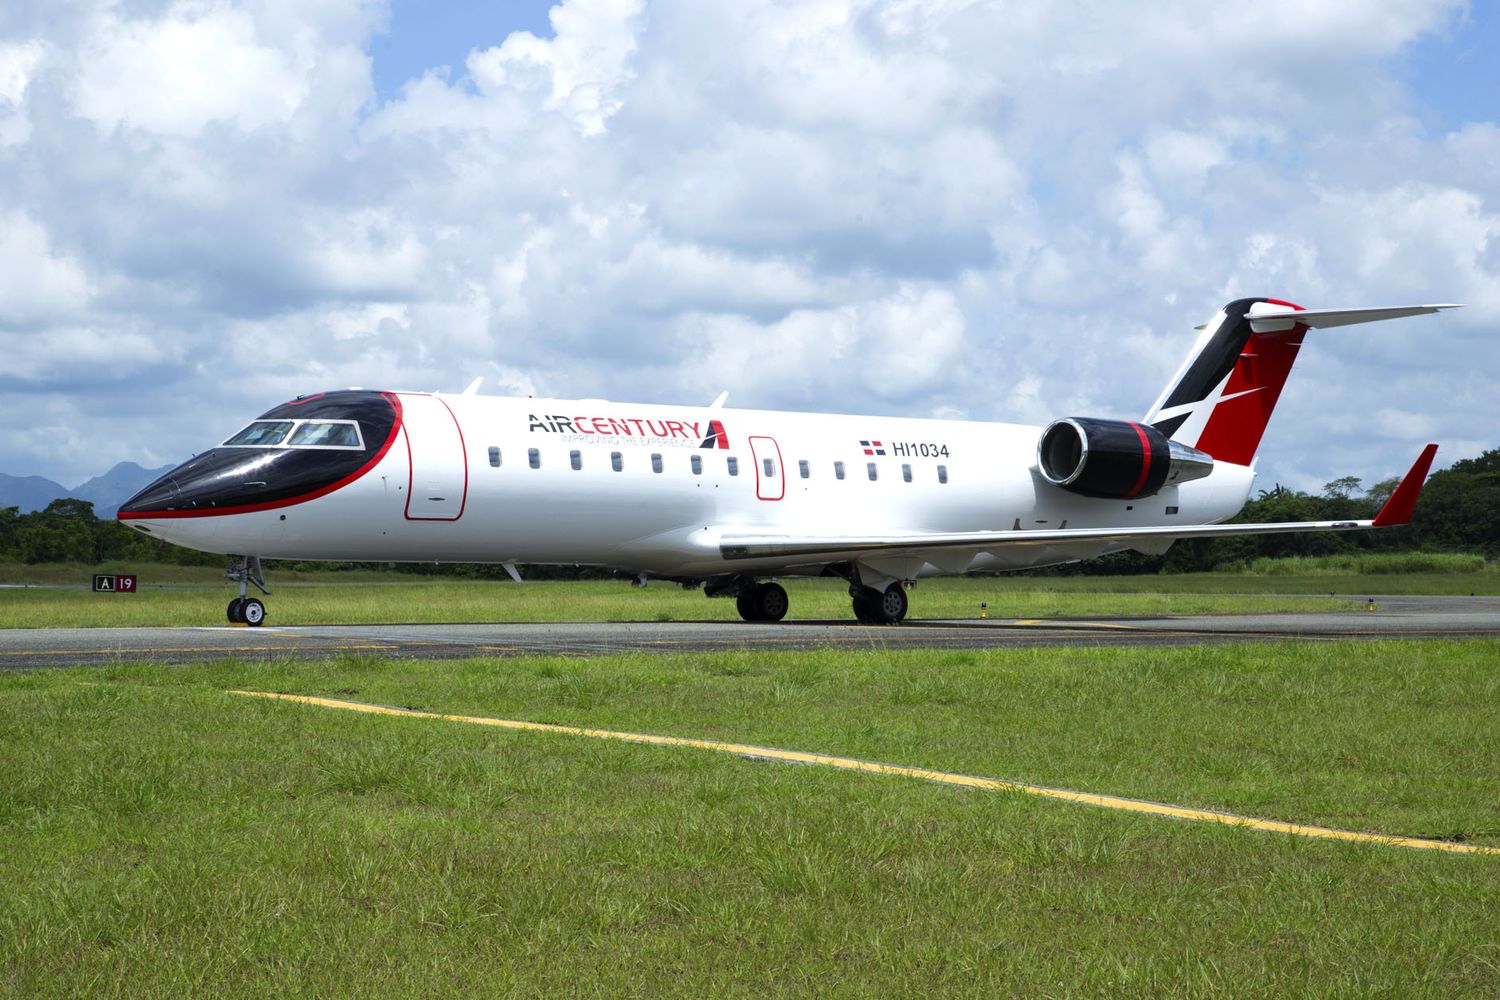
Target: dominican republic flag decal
(715, 438)
(872, 447)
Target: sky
(981, 209)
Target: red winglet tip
(1398, 508)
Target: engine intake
(1115, 459)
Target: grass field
(409, 599)
(194, 595)
(160, 837)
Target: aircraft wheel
(893, 604)
(771, 602)
(747, 605)
(864, 608)
(236, 612)
(252, 611)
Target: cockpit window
(261, 434)
(325, 434)
(299, 434)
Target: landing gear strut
(877, 607)
(245, 570)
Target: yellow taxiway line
(921, 773)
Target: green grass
(159, 837)
(1379, 564)
(195, 595)
(447, 600)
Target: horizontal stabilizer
(1263, 320)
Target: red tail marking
(1398, 508)
(1235, 426)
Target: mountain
(29, 492)
(119, 484)
(105, 492)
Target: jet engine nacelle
(1115, 459)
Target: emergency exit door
(770, 477)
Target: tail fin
(1221, 399)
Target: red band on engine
(1140, 483)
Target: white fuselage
(458, 484)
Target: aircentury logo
(683, 432)
(715, 438)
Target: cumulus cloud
(579, 72)
(37, 285)
(177, 74)
(902, 206)
(18, 61)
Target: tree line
(1459, 511)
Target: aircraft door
(439, 467)
(770, 477)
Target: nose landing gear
(246, 570)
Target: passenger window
(838, 470)
(906, 472)
(697, 463)
(261, 433)
(870, 466)
(495, 457)
(655, 462)
(942, 473)
(734, 466)
(802, 468)
(534, 457)
(577, 459)
(615, 461)
(769, 467)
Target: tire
(864, 608)
(893, 605)
(236, 615)
(252, 612)
(747, 605)
(771, 602)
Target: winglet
(1398, 508)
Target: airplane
(731, 499)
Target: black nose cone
(161, 495)
(222, 481)
(283, 469)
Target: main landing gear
(756, 602)
(767, 602)
(762, 602)
(245, 570)
(879, 607)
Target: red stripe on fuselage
(289, 501)
(1140, 483)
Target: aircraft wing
(1397, 510)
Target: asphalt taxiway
(1394, 618)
